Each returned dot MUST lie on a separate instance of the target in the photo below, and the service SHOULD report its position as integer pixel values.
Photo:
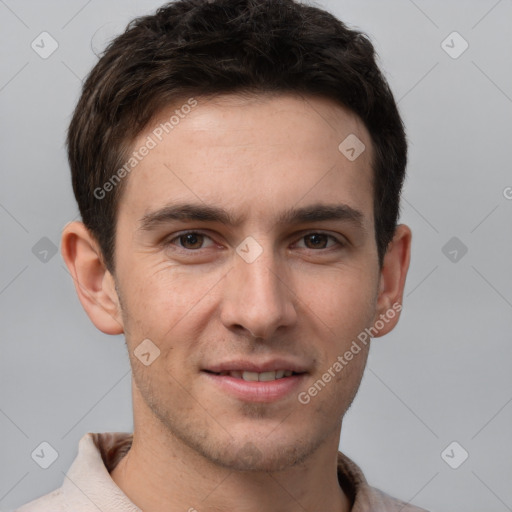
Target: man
(238, 167)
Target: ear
(94, 284)
(392, 281)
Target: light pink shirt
(88, 486)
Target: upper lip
(258, 367)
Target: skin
(200, 303)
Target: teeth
(252, 376)
(261, 377)
(266, 376)
(255, 376)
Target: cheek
(167, 305)
(162, 294)
(344, 299)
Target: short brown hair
(209, 47)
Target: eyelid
(168, 240)
(340, 240)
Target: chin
(252, 458)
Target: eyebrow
(205, 213)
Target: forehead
(257, 155)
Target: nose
(258, 297)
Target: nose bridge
(257, 297)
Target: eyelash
(170, 241)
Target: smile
(269, 386)
(257, 376)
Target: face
(260, 283)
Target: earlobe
(392, 280)
(94, 284)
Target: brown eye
(319, 241)
(190, 241)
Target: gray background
(442, 375)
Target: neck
(161, 473)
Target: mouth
(250, 376)
(264, 383)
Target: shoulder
(51, 502)
(366, 498)
(383, 502)
(88, 478)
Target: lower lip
(256, 391)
